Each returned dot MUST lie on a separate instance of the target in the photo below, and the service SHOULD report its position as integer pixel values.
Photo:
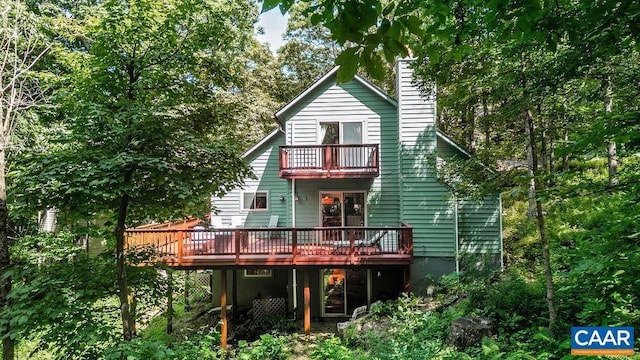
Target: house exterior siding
(350, 101)
(479, 225)
(479, 220)
(264, 162)
(425, 203)
(406, 190)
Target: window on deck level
(254, 200)
(346, 132)
(329, 133)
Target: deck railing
(327, 161)
(277, 246)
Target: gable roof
(265, 140)
(321, 81)
(317, 84)
(451, 142)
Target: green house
(352, 172)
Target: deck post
(352, 250)
(223, 308)
(307, 305)
(180, 247)
(236, 238)
(369, 287)
(327, 160)
(294, 244)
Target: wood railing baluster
(304, 245)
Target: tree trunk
(546, 256)
(552, 148)
(543, 141)
(486, 124)
(133, 309)
(565, 158)
(612, 156)
(471, 130)
(5, 259)
(531, 210)
(121, 266)
(170, 301)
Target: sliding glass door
(343, 290)
(342, 208)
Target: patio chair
(374, 240)
(273, 221)
(358, 312)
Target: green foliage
(204, 346)
(268, 347)
(333, 348)
(274, 324)
(407, 331)
(62, 297)
(66, 301)
(145, 112)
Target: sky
(274, 24)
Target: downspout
(455, 229)
(293, 202)
(294, 271)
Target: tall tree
(21, 47)
(308, 51)
(145, 116)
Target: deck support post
(307, 305)
(169, 301)
(369, 288)
(223, 309)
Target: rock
(469, 331)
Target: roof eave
(264, 140)
(280, 115)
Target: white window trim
(364, 121)
(242, 204)
(366, 203)
(255, 276)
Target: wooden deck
(329, 161)
(246, 247)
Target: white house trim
(262, 142)
(450, 141)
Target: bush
(269, 347)
(333, 348)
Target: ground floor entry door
(342, 290)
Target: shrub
(268, 347)
(333, 348)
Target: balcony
(267, 247)
(329, 161)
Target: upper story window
(255, 200)
(341, 132)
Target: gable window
(329, 133)
(344, 132)
(255, 200)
